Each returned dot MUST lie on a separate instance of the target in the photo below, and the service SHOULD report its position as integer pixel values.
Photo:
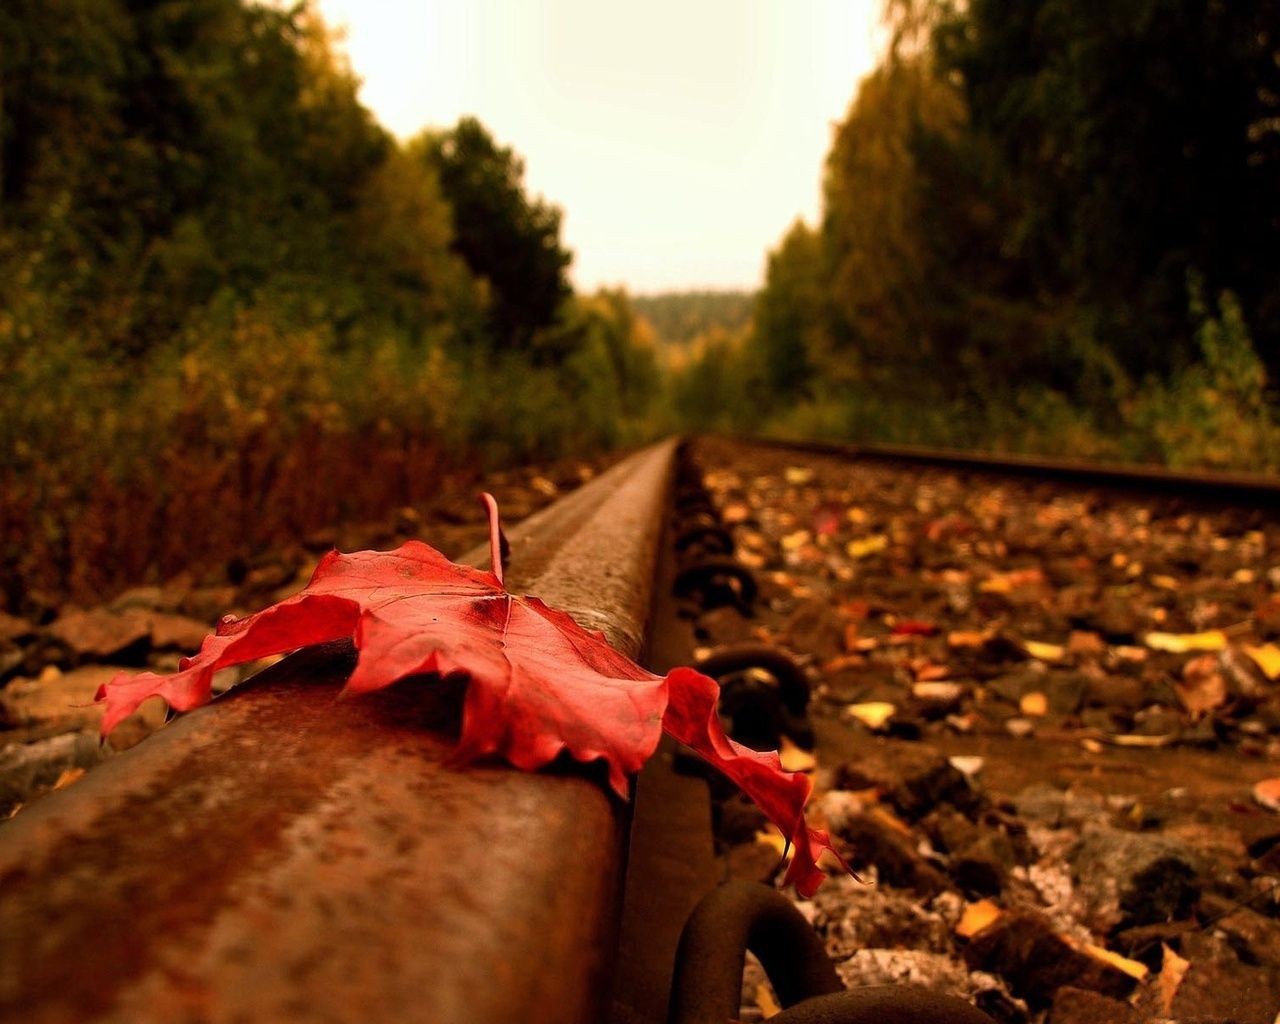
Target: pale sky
(680, 137)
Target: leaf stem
(496, 540)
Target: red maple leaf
(539, 684)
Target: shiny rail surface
(1208, 485)
(282, 855)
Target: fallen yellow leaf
(1006, 582)
(1133, 968)
(772, 837)
(1181, 643)
(1034, 704)
(890, 820)
(68, 776)
(798, 475)
(1267, 793)
(794, 759)
(872, 714)
(796, 540)
(1172, 970)
(976, 917)
(864, 546)
(1131, 739)
(1267, 658)
(764, 1000)
(967, 638)
(1164, 582)
(1043, 651)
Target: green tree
(506, 238)
(1144, 137)
(790, 325)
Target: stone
(934, 971)
(1020, 728)
(1115, 692)
(1013, 686)
(1227, 991)
(1080, 1006)
(1047, 805)
(15, 629)
(949, 830)
(934, 700)
(851, 915)
(1035, 961)
(147, 599)
(61, 699)
(722, 626)
(1145, 943)
(1065, 691)
(816, 630)
(27, 767)
(12, 658)
(1260, 833)
(177, 633)
(270, 576)
(1255, 938)
(100, 635)
(860, 684)
(1129, 878)
(836, 806)
(981, 867)
(1244, 678)
(209, 604)
(1114, 617)
(913, 778)
(874, 839)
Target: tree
(789, 329)
(506, 238)
(1144, 136)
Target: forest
(234, 307)
(1048, 226)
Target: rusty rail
(1209, 485)
(280, 855)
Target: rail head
(284, 855)
(1213, 486)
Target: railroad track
(1213, 486)
(277, 858)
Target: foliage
(1143, 138)
(233, 309)
(1213, 412)
(790, 322)
(678, 319)
(1012, 209)
(507, 240)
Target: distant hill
(679, 318)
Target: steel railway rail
(282, 856)
(1248, 489)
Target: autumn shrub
(1215, 411)
(250, 429)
